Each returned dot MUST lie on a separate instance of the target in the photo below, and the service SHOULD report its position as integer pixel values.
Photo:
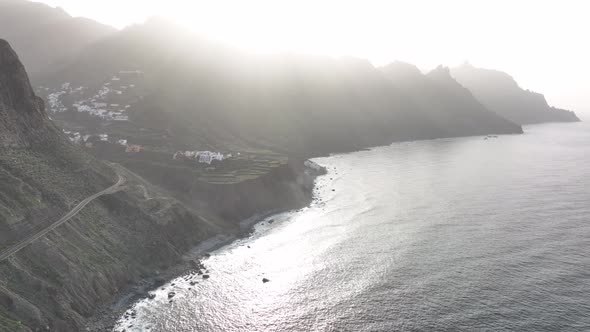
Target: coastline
(109, 314)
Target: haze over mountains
(233, 91)
(38, 32)
(444, 100)
(141, 103)
(289, 103)
(61, 280)
(500, 93)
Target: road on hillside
(72, 213)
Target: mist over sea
(462, 234)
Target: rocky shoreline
(193, 263)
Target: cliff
(500, 93)
(205, 94)
(448, 104)
(22, 118)
(60, 281)
(36, 31)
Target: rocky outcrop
(60, 281)
(448, 105)
(284, 187)
(500, 93)
(57, 282)
(22, 116)
(45, 37)
(211, 95)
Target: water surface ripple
(458, 234)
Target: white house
(121, 118)
(207, 157)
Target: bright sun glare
(517, 37)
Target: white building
(207, 157)
(121, 118)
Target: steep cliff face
(36, 31)
(446, 103)
(60, 281)
(22, 118)
(500, 93)
(205, 94)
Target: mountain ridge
(500, 92)
(61, 281)
(35, 30)
(293, 104)
(19, 104)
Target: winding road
(72, 213)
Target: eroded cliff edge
(58, 282)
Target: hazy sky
(543, 44)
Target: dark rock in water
(193, 283)
(271, 221)
(333, 189)
(171, 295)
(205, 276)
(151, 296)
(248, 247)
(264, 280)
(207, 255)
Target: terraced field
(246, 166)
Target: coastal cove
(156, 176)
(438, 211)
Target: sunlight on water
(454, 234)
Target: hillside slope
(451, 106)
(59, 281)
(500, 93)
(206, 94)
(36, 31)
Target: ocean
(462, 234)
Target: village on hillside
(109, 102)
(100, 120)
